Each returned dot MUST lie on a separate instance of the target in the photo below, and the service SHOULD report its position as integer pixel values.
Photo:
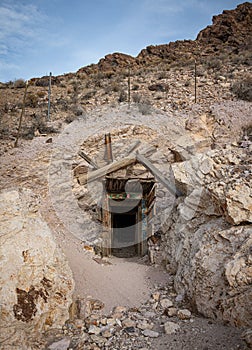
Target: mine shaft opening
(128, 216)
(124, 234)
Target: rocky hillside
(162, 76)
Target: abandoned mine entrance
(129, 205)
(124, 234)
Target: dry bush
(113, 87)
(247, 131)
(42, 82)
(31, 100)
(135, 87)
(89, 94)
(41, 94)
(70, 118)
(136, 98)
(19, 83)
(243, 89)
(214, 63)
(162, 75)
(145, 107)
(78, 110)
(123, 96)
(244, 57)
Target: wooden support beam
(110, 168)
(132, 147)
(87, 159)
(159, 176)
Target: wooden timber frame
(125, 198)
(136, 207)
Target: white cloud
(19, 21)
(163, 6)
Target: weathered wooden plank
(87, 159)
(110, 168)
(133, 147)
(148, 151)
(159, 176)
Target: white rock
(128, 323)
(172, 311)
(171, 327)
(150, 334)
(144, 325)
(166, 303)
(94, 330)
(62, 344)
(36, 282)
(184, 314)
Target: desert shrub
(42, 82)
(89, 95)
(39, 123)
(158, 87)
(31, 100)
(136, 98)
(123, 96)
(242, 58)
(70, 118)
(214, 63)
(145, 107)
(78, 110)
(41, 94)
(135, 87)
(162, 75)
(113, 87)
(19, 83)
(62, 104)
(4, 131)
(200, 72)
(27, 133)
(242, 89)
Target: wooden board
(158, 175)
(110, 168)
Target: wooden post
(21, 115)
(195, 81)
(108, 149)
(49, 96)
(87, 159)
(129, 85)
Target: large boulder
(36, 282)
(208, 239)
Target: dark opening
(124, 241)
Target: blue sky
(61, 36)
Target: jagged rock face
(115, 60)
(36, 281)
(211, 258)
(232, 27)
(225, 175)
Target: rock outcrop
(231, 28)
(36, 281)
(209, 238)
(230, 31)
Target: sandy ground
(113, 281)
